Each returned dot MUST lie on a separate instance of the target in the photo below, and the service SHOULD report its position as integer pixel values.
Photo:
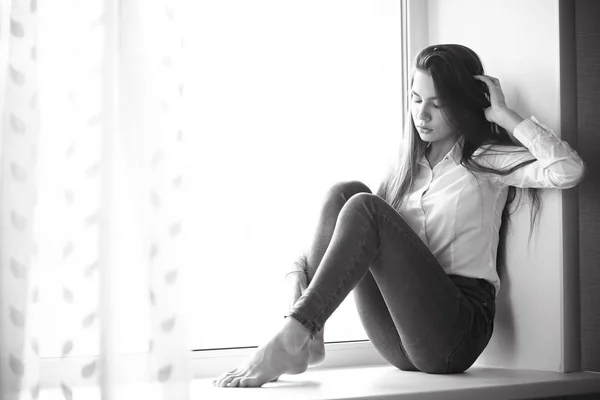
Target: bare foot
(316, 347)
(285, 353)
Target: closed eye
(417, 100)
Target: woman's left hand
(498, 112)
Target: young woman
(420, 255)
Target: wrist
(508, 119)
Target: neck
(438, 150)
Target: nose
(423, 115)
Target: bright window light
(285, 99)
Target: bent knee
(359, 200)
(347, 189)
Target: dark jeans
(417, 316)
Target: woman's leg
(297, 282)
(334, 200)
(380, 329)
(383, 334)
(437, 326)
(379, 325)
(429, 312)
(377, 321)
(337, 196)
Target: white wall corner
(519, 43)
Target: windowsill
(387, 382)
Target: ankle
(295, 334)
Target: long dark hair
(464, 99)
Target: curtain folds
(18, 194)
(91, 199)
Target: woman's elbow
(581, 172)
(575, 176)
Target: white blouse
(457, 214)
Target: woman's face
(426, 110)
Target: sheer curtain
(91, 202)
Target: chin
(427, 137)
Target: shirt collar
(455, 152)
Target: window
(285, 99)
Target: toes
(227, 380)
(247, 381)
(252, 382)
(217, 381)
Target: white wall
(518, 42)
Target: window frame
(203, 363)
(210, 363)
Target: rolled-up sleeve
(556, 164)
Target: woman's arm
(557, 165)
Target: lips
(423, 129)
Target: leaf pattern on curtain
(165, 208)
(58, 307)
(80, 154)
(65, 282)
(20, 129)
